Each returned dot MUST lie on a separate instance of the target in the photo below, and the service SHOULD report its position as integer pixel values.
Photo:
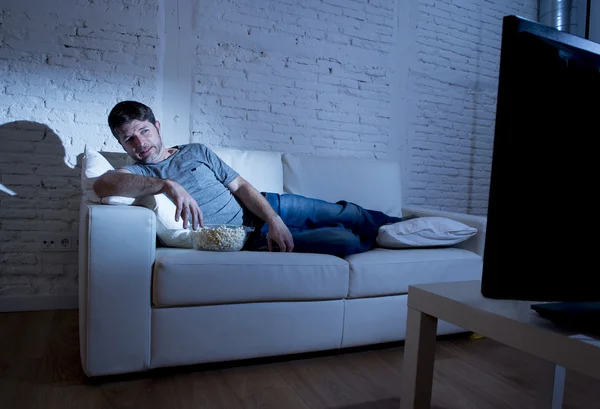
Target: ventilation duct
(565, 15)
(556, 14)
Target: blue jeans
(318, 226)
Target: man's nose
(137, 140)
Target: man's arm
(258, 205)
(124, 183)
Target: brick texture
(305, 76)
(63, 65)
(453, 82)
(308, 76)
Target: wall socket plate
(47, 242)
(66, 241)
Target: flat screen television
(543, 222)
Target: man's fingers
(178, 212)
(200, 218)
(186, 207)
(282, 245)
(195, 221)
(185, 214)
(284, 240)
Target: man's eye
(144, 131)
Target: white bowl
(220, 237)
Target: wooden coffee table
(512, 323)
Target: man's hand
(187, 207)
(123, 183)
(280, 234)
(257, 204)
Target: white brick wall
(63, 65)
(453, 86)
(325, 77)
(308, 76)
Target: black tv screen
(543, 228)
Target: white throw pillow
(170, 232)
(424, 232)
(94, 165)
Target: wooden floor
(40, 368)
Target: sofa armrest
(476, 244)
(117, 246)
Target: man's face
(141, 140)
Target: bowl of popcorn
(220, 237)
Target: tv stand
(513, 323)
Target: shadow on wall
(46, 205)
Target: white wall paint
(306, 76)
(175, 79)
(63, 65)
(362, 78)
(453, 79)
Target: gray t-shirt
(205, 177)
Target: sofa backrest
(371, 183)
(117, 159)
(263, 169)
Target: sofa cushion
(424, 232)
(93, 165)
(263, 169)
(170, 232)
(193, 277)
(372, 184)
(389, 272)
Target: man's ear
(157, 125)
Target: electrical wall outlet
(47, 242)
(60, 241)
(64, 242)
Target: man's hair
(127, 111)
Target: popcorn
(221, 238)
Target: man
(205, 189)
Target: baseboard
(12, 303)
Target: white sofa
(144, 307)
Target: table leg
(419, 356)
(551, 386)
